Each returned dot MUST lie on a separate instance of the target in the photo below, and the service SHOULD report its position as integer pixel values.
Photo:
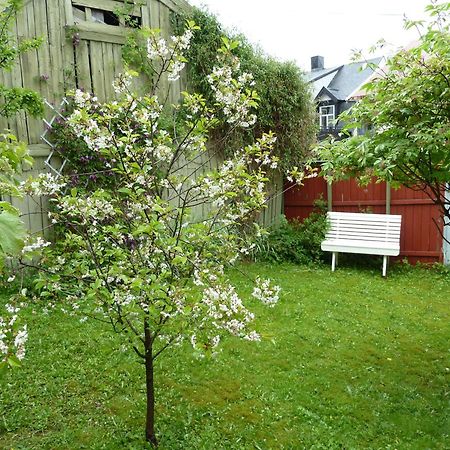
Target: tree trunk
(150, 435)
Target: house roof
(342, 81)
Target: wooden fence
(81, 49)
(421, 233)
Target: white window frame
(329, 117)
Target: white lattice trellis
(54, 162)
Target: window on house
(326, 116)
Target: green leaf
(13, 362)
(3, 368)
(6, 206)
(179, 260)
(12, 233)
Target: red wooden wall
(420, 237)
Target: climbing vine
(285, 107)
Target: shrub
(286, 106)
(294, 241)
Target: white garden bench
(370, 234)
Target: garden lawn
(347, 360)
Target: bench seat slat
(353, 246)
(363, 236)
(366, 226)
(365, 217)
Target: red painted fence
(420, 240)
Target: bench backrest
(364, 227)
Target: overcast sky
(298, 29)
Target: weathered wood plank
(43, 52)
(118, 62)
(110, 5)
(39, 150)
(17, 76)
(177, 5)
(145, 15)
(56, 80)
(98, 80)
(67, 46)
(102, 33)
(31, 72)
(108, 69)
(83, 66)
(153, 6)
(3, 120)
(164, 86)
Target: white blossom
(265, 293)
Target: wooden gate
(421, 238)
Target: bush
(286, 106)
(294, 241)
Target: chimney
(317, 63)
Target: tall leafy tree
(407, 112)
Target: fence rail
(421, 236)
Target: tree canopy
(407, 112)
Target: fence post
(388, 197)
(330, 195)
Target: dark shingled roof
(347, 78)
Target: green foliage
(20, 99)
(13, 154)
(407, 107)
(84, 168)
(13, 157)
(350, 360)
(285, 103)
(13, 233)
(15, 99)
(294, 241)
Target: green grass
(347, 361)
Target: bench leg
(385, 260)
(334, 260)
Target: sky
(298, 29)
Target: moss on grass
(348, 360)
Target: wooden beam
(39, 150)
(109, 5)
(330, 196)
(177, 5)
(102, 33)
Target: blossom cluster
(234, 96)
(265, 293)
(45, 184)
(91, 209)
(34, 244)
(13, 337)
(170, 54)
(220, 310)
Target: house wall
(340, 107)
(421, 238)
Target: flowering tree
(136, 255)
